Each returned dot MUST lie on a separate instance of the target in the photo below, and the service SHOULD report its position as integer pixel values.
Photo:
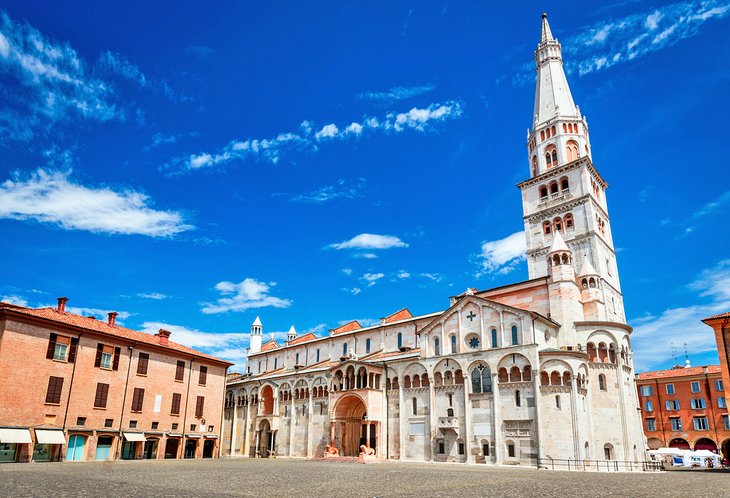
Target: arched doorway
(679, 443)
(704, 443)
(266, 440)
(350, 427)
(726, 449)
(267, 396)
(654, 443)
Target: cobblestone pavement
(302, 478)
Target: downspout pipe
(185, 414)
(70, 388)
(124, 400)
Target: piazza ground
(284, 477)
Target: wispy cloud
(340, 190)
(247, 294)
(616, 41)
(157, 296)
(370, 241)
(57, 84)
(372, 278)
(652, 339)
(99, 313)
(48, 196)
(714, 205)
(160, 139)
(352, 290)
(503, 255)
(397, 93)
(434, 277)
(13, 299)
(310, 138)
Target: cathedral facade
(537, 369)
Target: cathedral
(536, 370)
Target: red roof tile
(270, 346)
(353, 325)
(721, 315)
(391, 354)
(102, 327)
(398, 315)
(306, 337)
(678, 372)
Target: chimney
(62, 304)
(164, 336)
(112, 318)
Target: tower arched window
(515, 337)
(400, 340)
(568, 221)
(296, 361)
(367, 346)
(415, 406)
(318, 356)
(543, 192)
(481, 379)
(518, 398)
(554, 188)
(555, 157)
(565, 128)
(547, 228)
(494, 338)
(344, 349)
(548, 160)
(564, 184)
(557, 401)
(572, 150)
(558, 224)
(453, 344)
(542, 135)
(602, 382)
(437, 347)
(553, 130)
(534, 165)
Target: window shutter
(203, 375)
(102, 391)
(99, 349)
(180, 371)
(51, 346)
(137, 399)
(142, 363)
(55, 387)
(72, 349)
(117, 352)
(175, 410)
(199, 406)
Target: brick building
(685, 408)
(78, 388)
(721, 326)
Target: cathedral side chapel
(539, 368)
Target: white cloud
(402, 275)
(372, 278)
(52, 197)
(652, 339)
(503, 255)
(13, 299)
(397, 93)
(435, 277)
(272, 149)
(347, 271)
(611, 42)
(152, 295)
(714, 205)
(100, 314)
(341, 190)
(365, 255)
(247, 294)
(354, 290)
(119, 65)
(56, 84)
(370, 241)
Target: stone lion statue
(367, 451)
(331, 450)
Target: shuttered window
(199, 406)
(142, 364)
(180, 371)
(203, 375)
(51, 346)
(175, 409)
(102, 392)
(53, 394)
(107, 357)
(137, 399)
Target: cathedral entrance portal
(351, 428)
(265, 439)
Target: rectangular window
(132, 424)
(695, 386)
(203, 377)
(60, 352)
(650, 424)
(461, 448)
(726, 422)
(511, 450)
(192, 427)
(53, 394)
(102, 393)
(648, 406)
(174, 427)
(81, 421)
(137, 399)
(155, 425)
(672, 405)
(143, 363)
(318, 356)
(721, 403)
(718, 385)
(697, 403)
(700, 424)
(442, 448)
(676, 424)
(175, 409)
(670, 388)
(180, 371)
(199, 404)
(107, 357)
(108, 422)
(646, 391)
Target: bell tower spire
(565, 195)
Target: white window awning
(15, 436)
(50, 436)
(192, 436)
(211, 436)
(134, 436)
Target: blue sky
(192, 166)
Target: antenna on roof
(686, 357)
(674, 353)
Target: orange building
(685, 407)
(78, 388)
(721, 325)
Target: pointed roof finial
(546, 34)
(257, 322)
(558, 244)
(587, 268)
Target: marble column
(497, 425)
(468, 425)
(402, 420)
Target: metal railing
(599, 465)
